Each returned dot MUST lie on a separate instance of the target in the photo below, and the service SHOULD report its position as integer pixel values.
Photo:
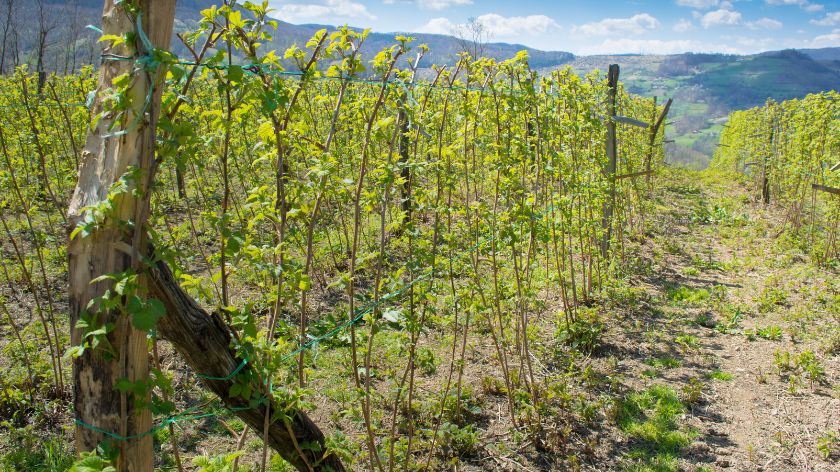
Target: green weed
(688, 296)
(650, 417)
(771, 298)
(828, 444)
(720, 375)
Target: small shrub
(771, 297)
(582, 334)
(426, 361)
(687, 341)
(692, 392)
(773, 333)
(795, 367)
(828, 444)
(457, 441)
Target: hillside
(707, 87)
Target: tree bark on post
(612, 156)
(114, 245)
(203, 340)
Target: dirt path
(754, 324)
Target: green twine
(227, 377)
(183, 416)
(187, 415)
(360, 313)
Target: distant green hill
(745, 82)
(706, 87)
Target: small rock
(722, 463)
(702, 447)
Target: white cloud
(803, 4)
(496, 25)
(438, 26)
(699, 4)
(721, 17)
(636, 24)
(682, 26)
(830, 19)
(655, 46)
(442, 4)
(499, 25)
(764, 23)
(306, 12)
(827, 40)
(751, 45)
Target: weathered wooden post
(114, 245)
(612, 156)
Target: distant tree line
(48, 36)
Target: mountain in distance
(443, 49)
(707, 87)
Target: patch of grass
(666, 362)
(771, 297)
(691, 271)
(705, 320)
(688, 296)
(720, 375)
(29, 452)
(650, 373)
(650, 417)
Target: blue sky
(596, 27)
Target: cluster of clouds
(706, 14)
(619, 34)
(313, 12)
(496, 25)
(714, 13)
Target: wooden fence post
(112, 247)
(612, 156)
(765, 180)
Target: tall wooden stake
(114, 246)
(612, 156)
